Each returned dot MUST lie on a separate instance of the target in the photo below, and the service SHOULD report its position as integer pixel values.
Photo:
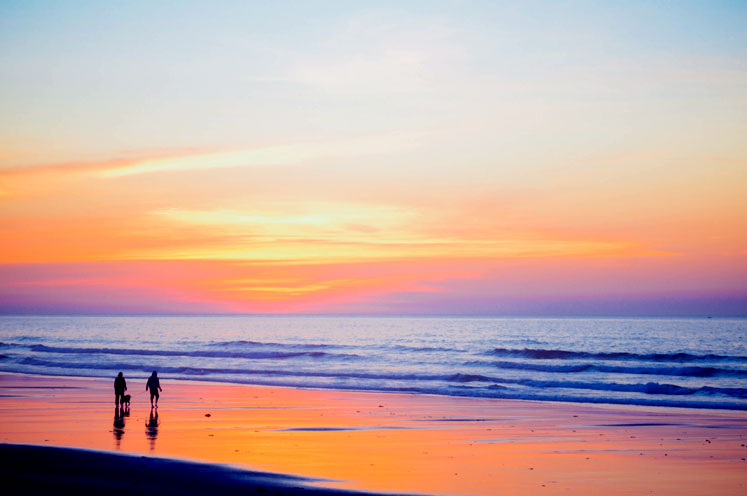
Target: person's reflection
(151, 428)
(119, 424)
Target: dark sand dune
(49, 470)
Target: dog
(125, 400)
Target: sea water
(693, 363)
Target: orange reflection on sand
(394, 443)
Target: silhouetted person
(120, 386)
(151, 428)
(155, 386)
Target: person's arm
(124, 383)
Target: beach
(443, 248)
(372, 442)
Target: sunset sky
(460, 157)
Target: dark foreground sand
(48, 470)
(393, 443)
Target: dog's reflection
(151, 428)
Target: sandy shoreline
(397, 443)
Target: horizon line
(375, 315)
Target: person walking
(120, 386)
(155, 386)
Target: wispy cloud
(288, 154)
(280, 155)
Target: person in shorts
(155, 386)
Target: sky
(457, 157)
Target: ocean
(691, 363)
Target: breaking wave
(553, 354)
(689, 371)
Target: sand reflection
(119, 424)
(151, 428)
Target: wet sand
(397, 443)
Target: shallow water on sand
(695, 363)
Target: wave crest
(553, 354)
(257, 355)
